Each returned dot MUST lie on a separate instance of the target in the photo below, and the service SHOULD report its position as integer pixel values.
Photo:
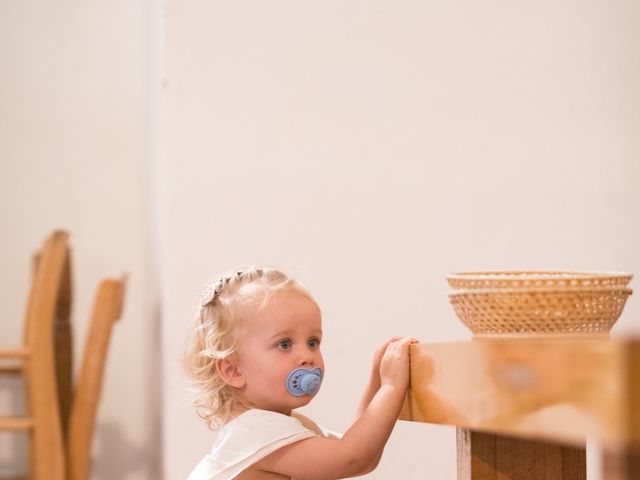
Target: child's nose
(306, 361)
(307, 358)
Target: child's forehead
(288, 308)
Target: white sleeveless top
(250, 437)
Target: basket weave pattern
(538, 302)
(544, 311)
(538, 279)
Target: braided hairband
(211, 292)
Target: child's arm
(372, 387)
(374, 379)
(356, 452)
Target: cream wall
(371, 147)
(365, 147)
(74, 154)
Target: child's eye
(284, 344)
(313, 343)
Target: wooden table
(524, 408)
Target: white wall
(372, 147)
(74, 154)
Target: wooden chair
(106, 310)
(35, 360)
(60, 419)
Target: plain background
(367, 148)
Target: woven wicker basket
(539, 310)
(537, 279)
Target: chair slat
(15, 424)
(15, 353)
(16, 369)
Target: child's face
(279, 338)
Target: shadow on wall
(115, 455)
(117, 458)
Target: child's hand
(377, 357)
(394, 365)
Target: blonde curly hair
(218, 327)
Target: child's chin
(302, 401)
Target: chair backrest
(47, 448)
(107, 309)
(63, 345)
(62, 338)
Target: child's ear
(228, 371)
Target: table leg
(485, 456)
(620, 465)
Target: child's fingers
(401, 346)
(397, 339)
(402, 341)
(395, 365)
(384, 346)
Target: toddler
(253, 358)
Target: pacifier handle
(304, 381)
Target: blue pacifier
(304, 381)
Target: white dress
(250, 437)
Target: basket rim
(537, 274)
(545, 290)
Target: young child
(254, 357)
